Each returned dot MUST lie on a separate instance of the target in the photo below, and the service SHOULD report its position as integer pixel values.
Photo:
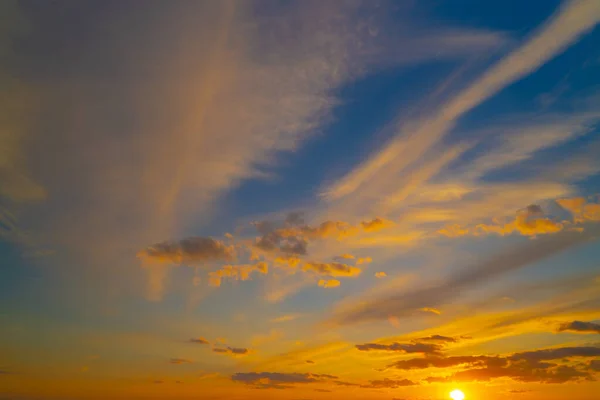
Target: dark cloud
(192, 250)
(438, 338)
(530, 366)
(343, 383)
(199, 340)
(445, 362)
(295, 218)
(388, 384)
(594, 365)
(179, 361)
(580, 326)
(158, 381)
(310, 362)
(405, 304)
(278, 380)
(427, 348)
(323, 390)
(532, 358)
(235, 351)
(525, 372)
(556, 354)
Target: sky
(299, 200)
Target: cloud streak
(405, 304)
(573, 20)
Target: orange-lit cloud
(528, 222)
(332, 269)
(236, 272)
(404, 304)
(581, 209)
(329, 283)
(380, 274)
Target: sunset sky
(299, 200)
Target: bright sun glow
(457, 395)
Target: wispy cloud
(573, 20)
(405, 304)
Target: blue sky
(319, 194)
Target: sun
(457, 395)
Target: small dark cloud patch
(323, 390)
(579, 326)
(179, 361)
(388, 384)
(235, 351)
(310, 362)
(157, 381)
(426, 348)
(278, 380)
(199, 340)
(192, 250)
(438, 338)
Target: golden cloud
(236, 272)
(332, 269)
(330, 283)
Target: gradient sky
(300, 199)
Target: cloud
(530, 366)
(180, 361)
(347, 256)
(579, 326)
(406, 303)
(528, 222)
(199, 340)
(364, 260)
(376, 224)
(332, 269)
(18, 109)
(525, 373)
(232, 351)
(278, 379)
(329, 283)
(438, 338)
(388, 384)
(236, 272)
(430, 310)
(193, 250)
(573, 20)
(555, 354)
(581, 209)
(425, 348)
(380, 274)
(293, 240)
(285, 318)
